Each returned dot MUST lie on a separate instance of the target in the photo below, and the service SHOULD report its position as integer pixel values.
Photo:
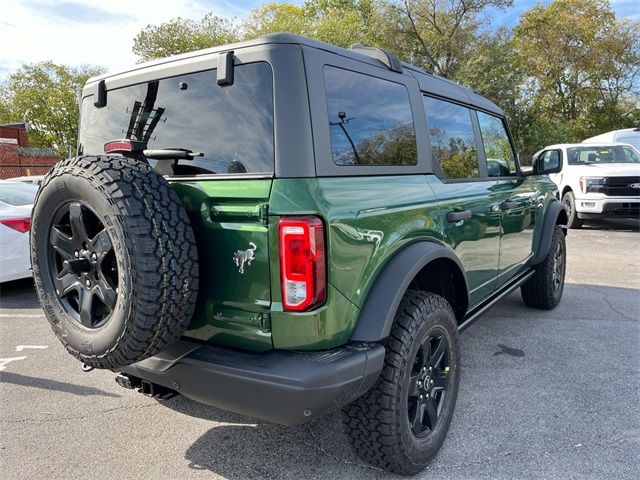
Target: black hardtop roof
(428, 82)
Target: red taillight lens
(21, 225)
(302, 262)
(118, 146)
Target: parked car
(16, 203)
(595, 181)
(34, 179)
(289, 227)
(630, 136)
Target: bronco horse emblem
(242, 257)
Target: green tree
(339, 22)
(45, 93)
(439, 35)
(182, 35)
(582, 66)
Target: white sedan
(16, 203)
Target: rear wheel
(569, 202)
(114, 260)
(400, 424)
(544, 289)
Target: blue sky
(76, 32)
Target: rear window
(370, 120)
(17, 193)
(231, 125)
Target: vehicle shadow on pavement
(315, 450)
(47, 384)
(19, 294)
(618, 225)
(201, 411)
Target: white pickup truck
(596, 180)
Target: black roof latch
(100, 95)
(225, 69)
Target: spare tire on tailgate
(114, 259)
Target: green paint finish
(227, 216)
(326, 327)
(476, 241)
(368, 220)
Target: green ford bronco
(282, 227)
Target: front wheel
(400, 424)
(544, 289)
(569, 202)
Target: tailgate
(229, 219)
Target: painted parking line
(5, 361)
(20, 348)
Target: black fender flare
(554, 212)
(379, 310)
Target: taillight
(302, 262)
(21, 225)
(124, 146)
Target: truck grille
(620, 187)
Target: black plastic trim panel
(280, 386)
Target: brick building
(17, 159)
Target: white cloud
(76, 32)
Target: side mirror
(547, 163)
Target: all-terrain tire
(146, 233)
(544, 289)
(378, 424)
(569, 202)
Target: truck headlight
(592, 184)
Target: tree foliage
(582, 67)
(569, 69)
(439, 35)
(45, 95)
(182, 35)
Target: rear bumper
(283, 387)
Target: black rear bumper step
(280, 386)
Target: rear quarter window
(231, 125)
(370, 120)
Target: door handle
(508, 205)
(453, 217)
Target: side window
(551, 159)
(452, 139)
(501, 160)
(370, 120)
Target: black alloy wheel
(428, 384)
(400, 424)
(83, 264)
(544, 288)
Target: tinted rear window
(232, 125)
(370, 120)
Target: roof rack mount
(389, 59)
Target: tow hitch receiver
(145, 387)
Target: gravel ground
(543, 395)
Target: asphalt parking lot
(543, 395)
